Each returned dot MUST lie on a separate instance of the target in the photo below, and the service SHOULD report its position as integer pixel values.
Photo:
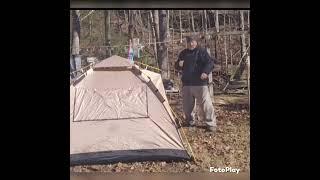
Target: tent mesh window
(110, 104)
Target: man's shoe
(192, 123)
(212, 128)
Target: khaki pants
(201, 95)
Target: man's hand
(180, 63)
(204, 76)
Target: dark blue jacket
(196, 62)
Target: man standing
(196, 64)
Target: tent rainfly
(120, 113)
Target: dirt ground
(228, 147)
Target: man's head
(191, 42)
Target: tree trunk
(75, 51)
(208, 20)
(154, 36)
(201, 17)
(225, 43)
(180, 23)
(168, 23)
(205, 21)
(131, 24)
(248, 79)
(90, 29)
(248, 12)
(217, 20)
(156, 22)
(141, 23)
(149, 30)
(240, 70)
(163, 58)
(192, 21)
(107, 16)
(75, 32)
(217, 37)
(243, 38)
(215, 47)
(126, 19)
(172, 12)
(248, 27)
(230, 40)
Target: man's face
(193, 44)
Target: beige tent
(120, 113)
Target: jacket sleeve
(207, 61)
(176, 64)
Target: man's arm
(207, 61)
(176, 64)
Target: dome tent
(120, 113)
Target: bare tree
(156, 22)
(75, 32)
(192, 21)
(168, 23)
(180, 22)
(90, 29)
(149, 30)
(163, 56)
(131, 24)
(225, 42)
(126, 19)
(139, 19)
(119, 23)
(241, 68)
(154, 36)
(75, 51)
(107, 21)
(217, 36)
(217, 20)
(205, 21)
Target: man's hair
(192, 38)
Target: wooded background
(224, 33)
